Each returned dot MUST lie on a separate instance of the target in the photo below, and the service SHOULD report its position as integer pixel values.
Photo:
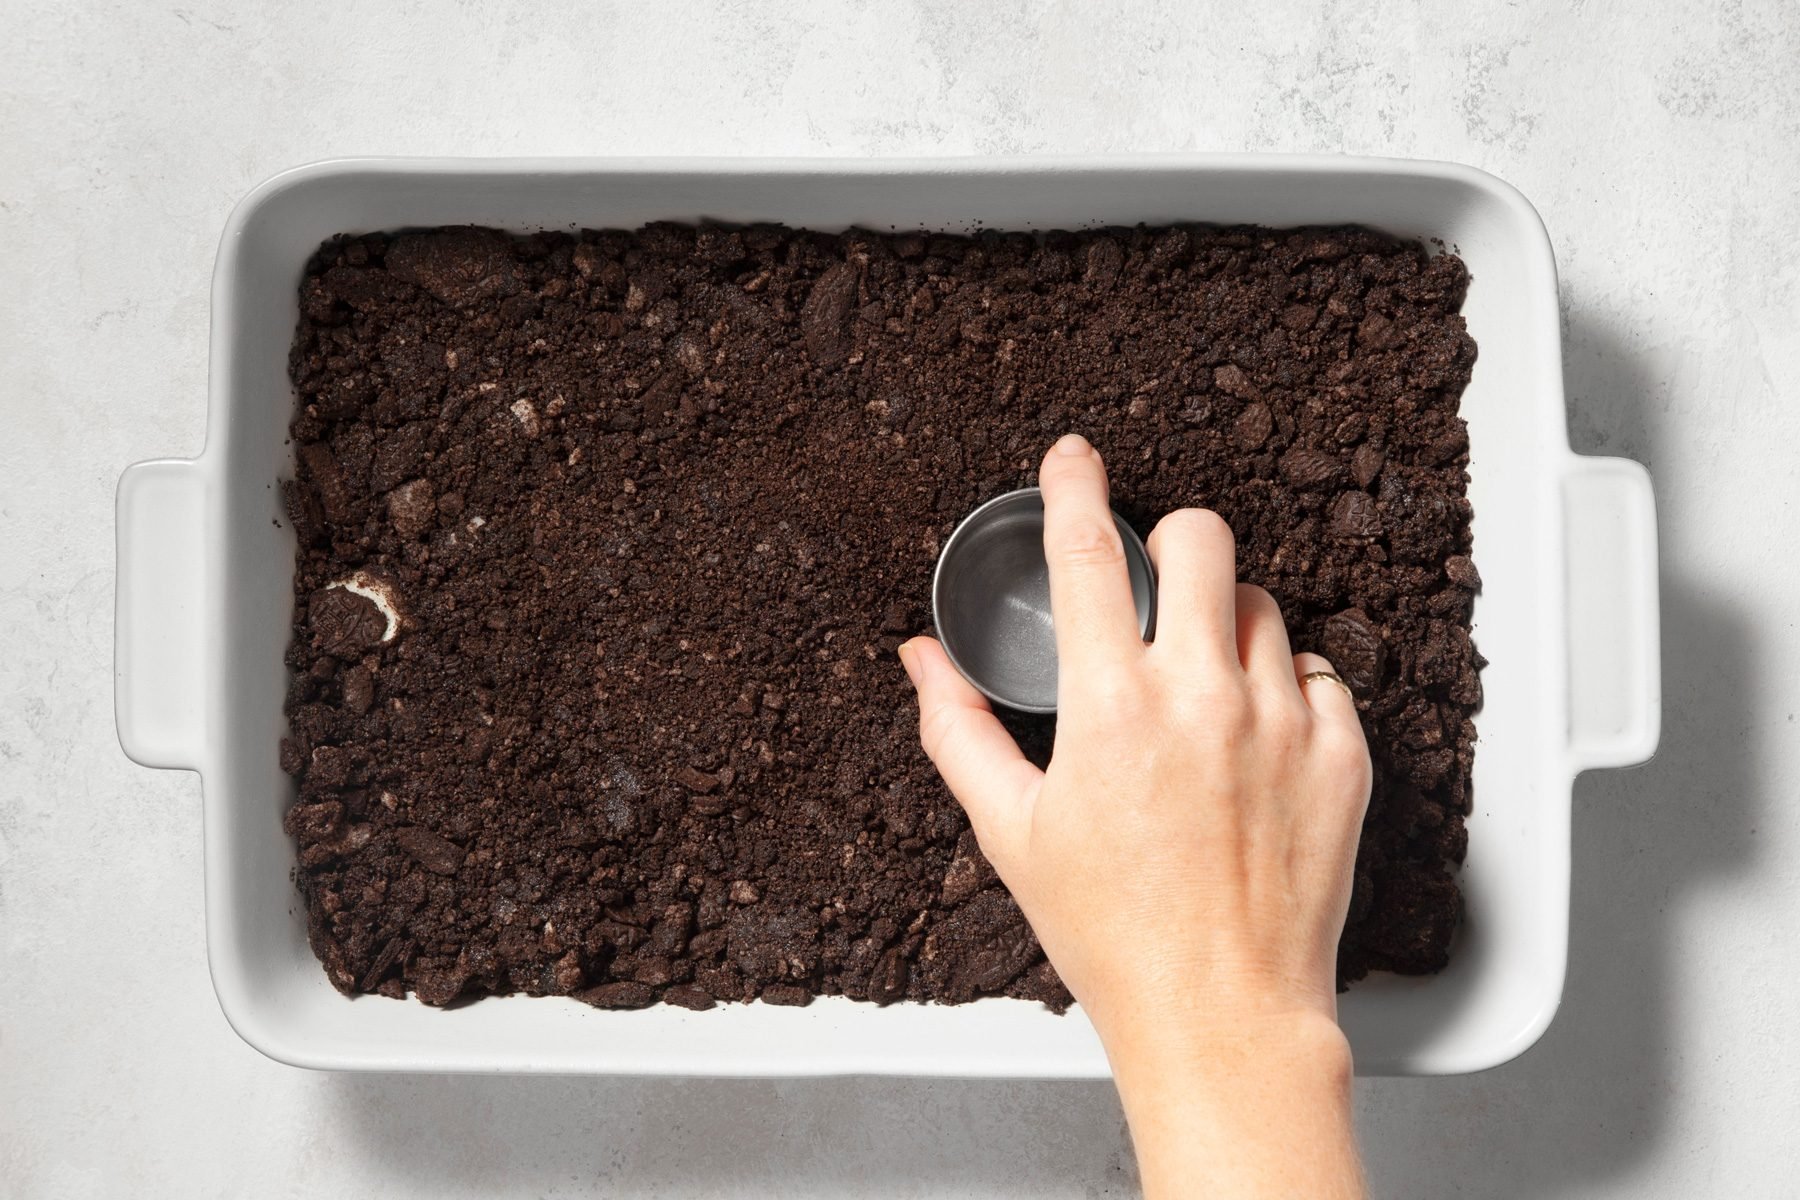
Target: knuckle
(935, 724)
(1223, 689)
(1087, 541)
(1253, 598)
(1111, 693)
(1282, 729)
(1119, 702)
(1343, 748)
(1225, 706)
(1196, 525)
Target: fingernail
(1072, 444)
(911, 664)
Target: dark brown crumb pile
(654, 510)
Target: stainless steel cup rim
(956, 648)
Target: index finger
(1090, 588)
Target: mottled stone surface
(1659, 149)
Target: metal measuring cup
(990, 600)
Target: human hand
(1190, 848)
(1186, 860)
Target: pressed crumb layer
(606, 542)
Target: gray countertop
(1660, 150)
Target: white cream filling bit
(378, 593)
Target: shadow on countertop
(1588, 1105)
(1591, 1103)
(454, 1136)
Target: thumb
(978, 759)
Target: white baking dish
(1566, 545)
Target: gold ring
(1331, 675)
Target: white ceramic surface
(1566, 546)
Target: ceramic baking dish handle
(157, 633)
(1615, 651)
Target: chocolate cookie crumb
(606, 542)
